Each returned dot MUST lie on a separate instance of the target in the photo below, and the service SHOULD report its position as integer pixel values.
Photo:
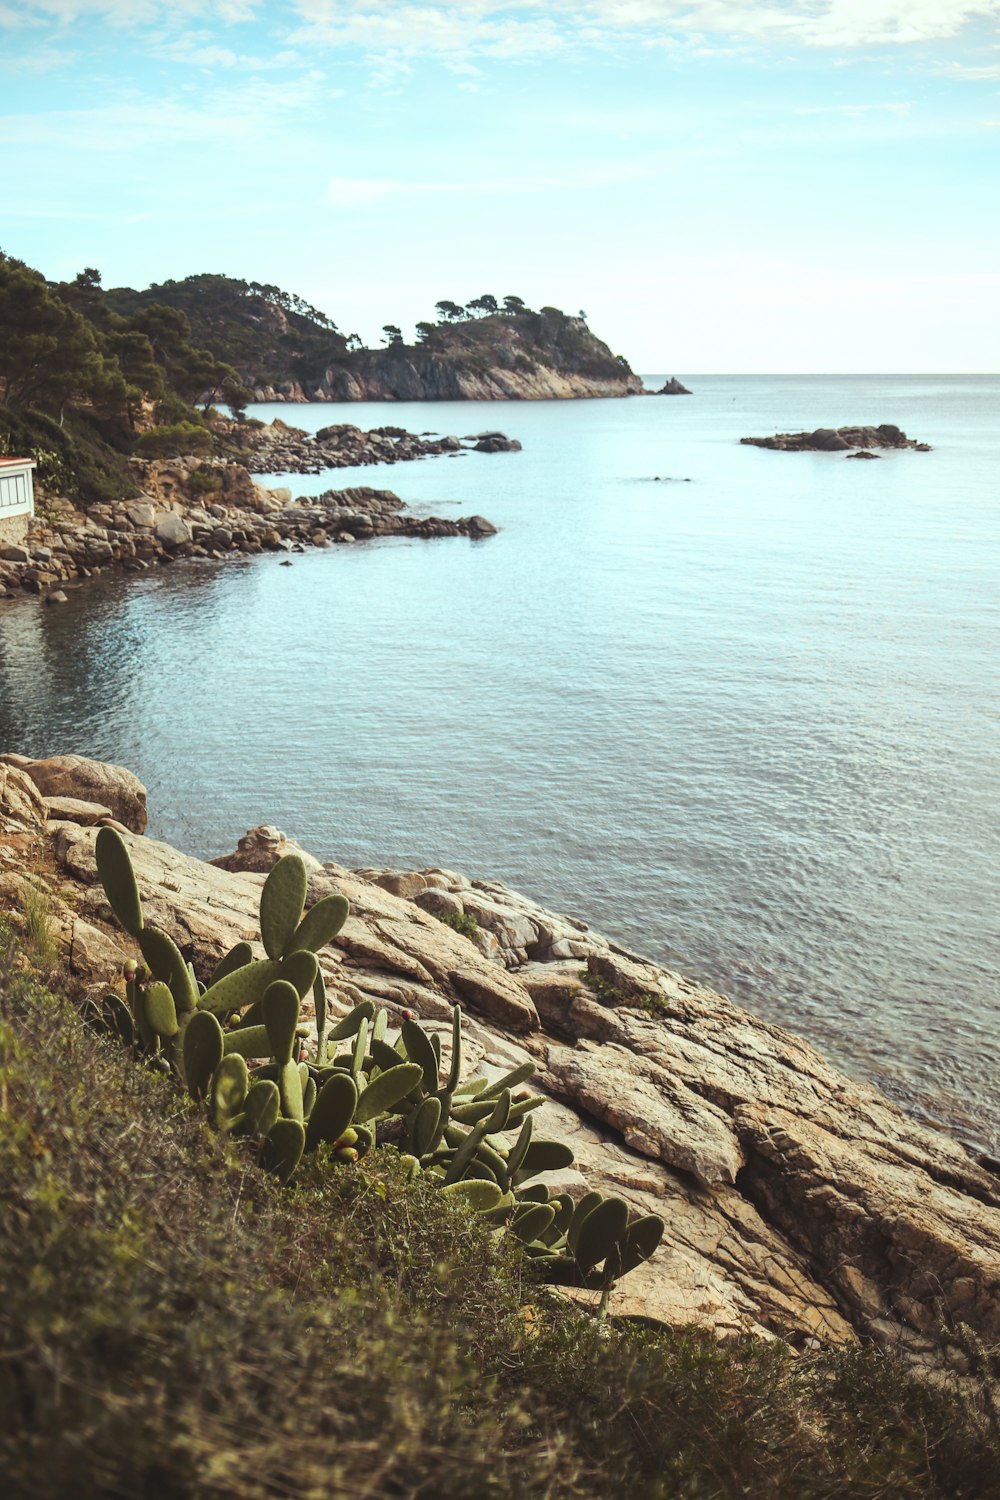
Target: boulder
(22, 806)
(112, 787)
(74, 810)
(172, 529)
(262, 847)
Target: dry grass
(172, 1324)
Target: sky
(722, 186)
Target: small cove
(737, 708)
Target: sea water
(738, 709)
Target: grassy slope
(172, 1324)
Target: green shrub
(174, 440)
(459, 921)
(73, 459)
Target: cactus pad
(114, 868)
(281, 903)
(320, 925)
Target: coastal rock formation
(672, 387)
(288, 351)
(90, 782)
(195, 509)
(799, 1203)
(838, 440)
(277, 448)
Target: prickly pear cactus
(237, 1044)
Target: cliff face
(798, 1202)
(411, 375)
(526, 357)
(529, 356)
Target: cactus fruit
(282, 1148)
(203, 1048)
(320, 925)
(281, 903)
(114, 869)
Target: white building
(17, 498)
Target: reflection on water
(746, 724)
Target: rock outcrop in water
(799, 1203)
(838, 440)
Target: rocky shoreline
(839, 440)
(214, 508)
(800, 1204)
(277, 448)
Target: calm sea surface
(739, 709)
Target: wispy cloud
(527, 29)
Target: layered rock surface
(799, 1203)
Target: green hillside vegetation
(82, 386)
(272, 337)
(173, 1323)
(265, 333)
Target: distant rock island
(672, 387)
(838, 440)
(488, 350)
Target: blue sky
(721, 185)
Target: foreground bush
(174, 1324)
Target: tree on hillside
(425, 332)
(49, 354)
(393, 335)
(354, 342)
(485, 305)
(195, 374)
(513, 305)
(450, 310)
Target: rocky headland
(799, 1203)
(285, 350)
(839, 440)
